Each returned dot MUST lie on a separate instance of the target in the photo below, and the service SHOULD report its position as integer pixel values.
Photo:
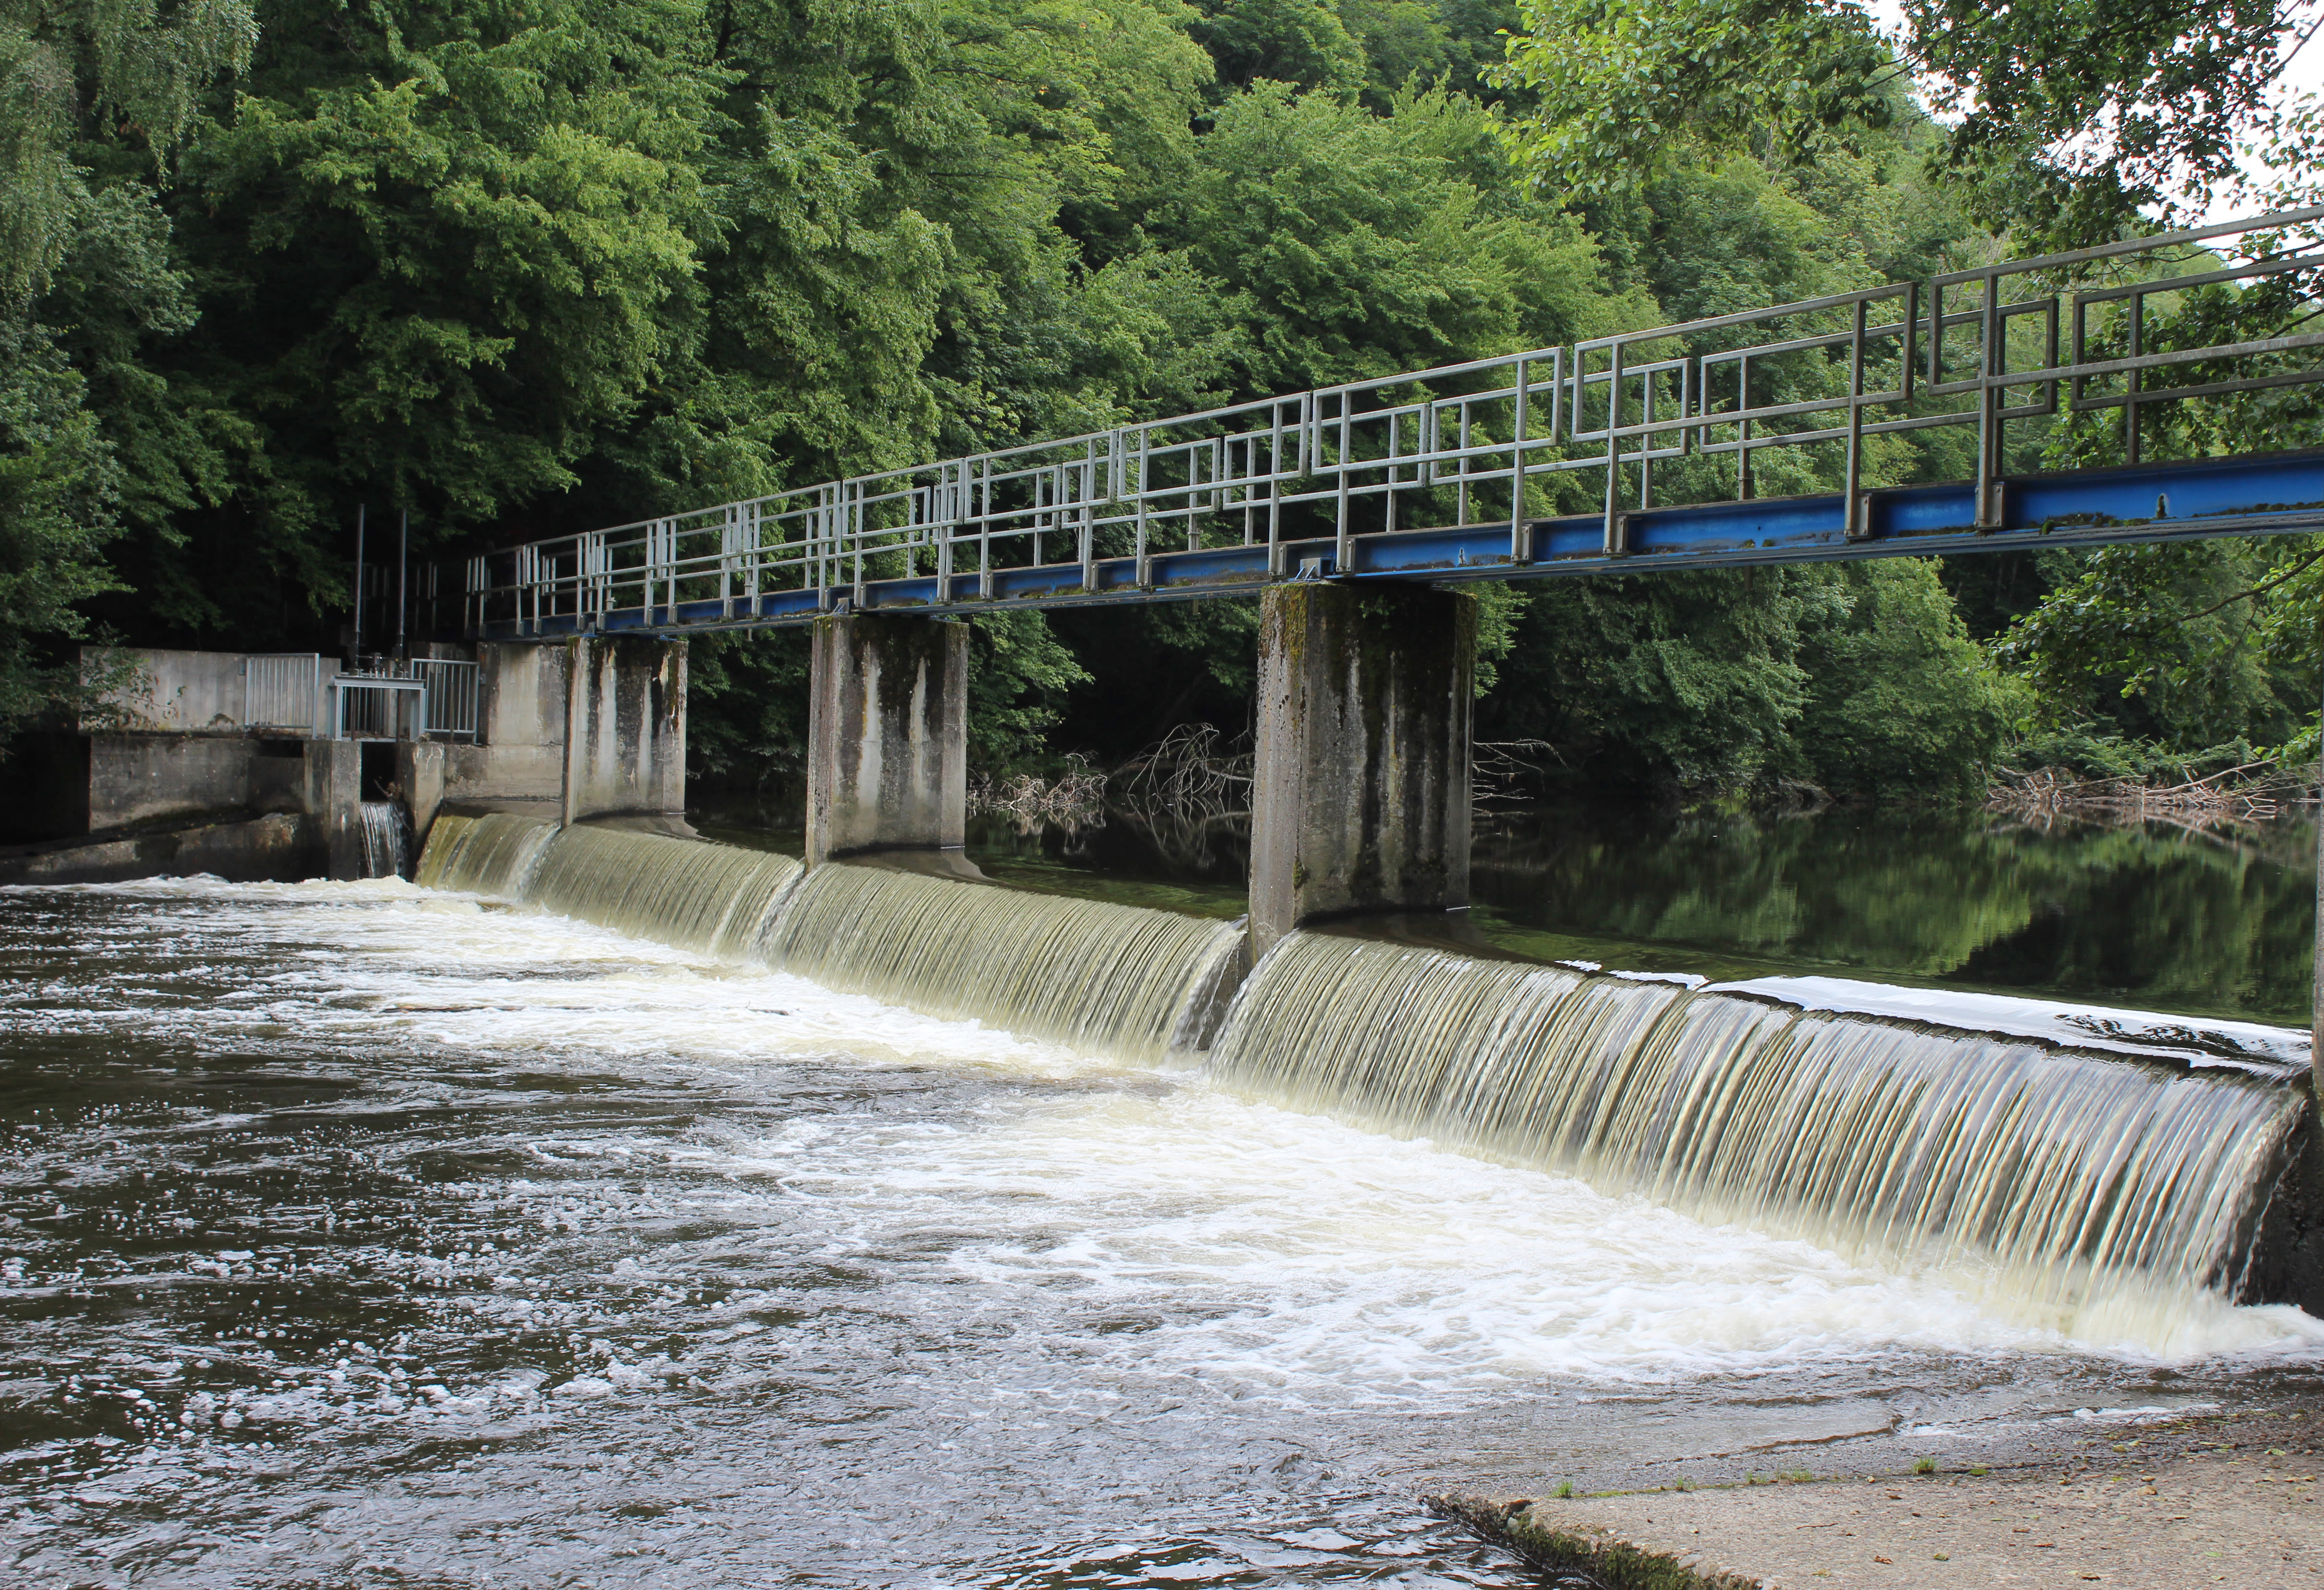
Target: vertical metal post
(1613, 533)
(1086, 542)
(1340, 537)
(1520, 534)
(1988, 409)
(1387, 502)
(1275, 484)
(983, 503)
(357, 643)
(402, 578)
(2137, 348)
(1461, 509)
(1852, 524)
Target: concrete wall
(615, 745)
(144, 779)
(625, 731)
(517, 761)
(887, 736)
(181, 692)
(1360, 798)
(284, 848)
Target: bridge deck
(2272, 495)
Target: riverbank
(2223, 1499)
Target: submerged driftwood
(2253, 793)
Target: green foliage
(58, 503)
(746, 704)
(1856, 677)
(2186, 645)
(136, 70)
(2071, 118)
(1688, 680)
(525, 269)
(2065, 120)
(1018, 675)
(1900, 702)
(1370, 243)
(1624, 91)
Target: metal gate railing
(284, 692)
(449, 699)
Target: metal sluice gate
(1774, 435)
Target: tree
(132, 73)
(2066, 121)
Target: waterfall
(1113, 979)
(714, 900)
(1119, 979)
(492, 855)
(386, 838)
(1871, 1134)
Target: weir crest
(2065, 1175)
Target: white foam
(1287, 1252)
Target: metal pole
(402, 578)
(357, 643)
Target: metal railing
(372, 706)
(1845, 392)
(449, 701)
(285, 690)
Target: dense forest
(510, 267)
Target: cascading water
(1119, 980)
(387, 839)
(490, 855)
(2075, 1171)
(713, 900)
(1130, 982)
(2073, 1176)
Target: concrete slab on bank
(2159, 1516)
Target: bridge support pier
(887, 765)
(1359, 803)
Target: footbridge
(2130, 393)
(2150, 390)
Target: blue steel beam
(2272, 494)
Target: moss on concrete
(1569, 1555)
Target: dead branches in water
(1072, 801)
(1503, 773)
(2254, 792)
(1186, 790)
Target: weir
(2079, 1172)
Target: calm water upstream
(2150, 916)
(361, 1236)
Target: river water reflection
(2150, 916)
(358, 1235)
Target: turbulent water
(2099, 1190)
(1136, 984)
(386, 839)
(369, 1233)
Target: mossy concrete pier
(1359, 803)
(887, 765)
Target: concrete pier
(1361, 798)
(887, 763)
(625, 728)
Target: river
(359, 1234)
